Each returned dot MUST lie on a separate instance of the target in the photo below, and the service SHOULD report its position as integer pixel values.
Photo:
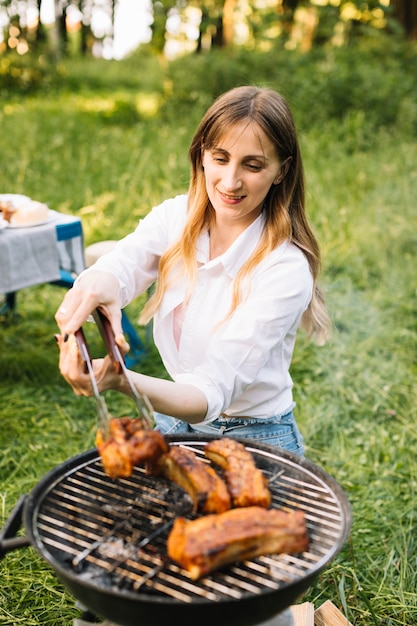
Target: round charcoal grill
(106, 541)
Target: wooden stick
(303, 614)
(329, 615)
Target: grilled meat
(246, 483)
(128, 445)
(212, 541)
(206, 489)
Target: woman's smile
(231, 199)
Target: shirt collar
(240, 250)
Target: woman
(235, 264)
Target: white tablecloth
(32, 256)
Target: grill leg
(89, 618)
(283, 619)
(9, 305)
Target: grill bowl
(86, 526)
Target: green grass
(89, 149)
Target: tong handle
(103, 413)
(83, 348)
(106, 331)
(143, 405)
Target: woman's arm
(180, 400)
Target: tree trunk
(218, 39)
(62, 31)
(228, 21)
(39, 35)
(287, 9)
(405, 12)
(158, 27)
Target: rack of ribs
(246, 483)
(209, 542)
(205, 487)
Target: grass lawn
(82, 152)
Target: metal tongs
(143, 405)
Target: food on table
(206, 489)
(28, 214)
(127, 445)
(246, 483)
(209, 542)
(7, 210)
(22, 211)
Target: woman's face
(239, 172)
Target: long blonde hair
(284, 207)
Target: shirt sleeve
(134, 260)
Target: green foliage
(109, 140)
(357, 89)
(22, 74)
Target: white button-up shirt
(241, 364)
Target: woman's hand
(73, 369)
(95, 289)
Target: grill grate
(113, 532)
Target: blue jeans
(280, 430)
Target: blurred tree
(55, 37)
(211, 26)
(61, 8)
(291, 23)
(217, 25)
(228, 21)
(161, 11)
(405, 12)
(287, 9)
(85, 30)
(39, 34)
